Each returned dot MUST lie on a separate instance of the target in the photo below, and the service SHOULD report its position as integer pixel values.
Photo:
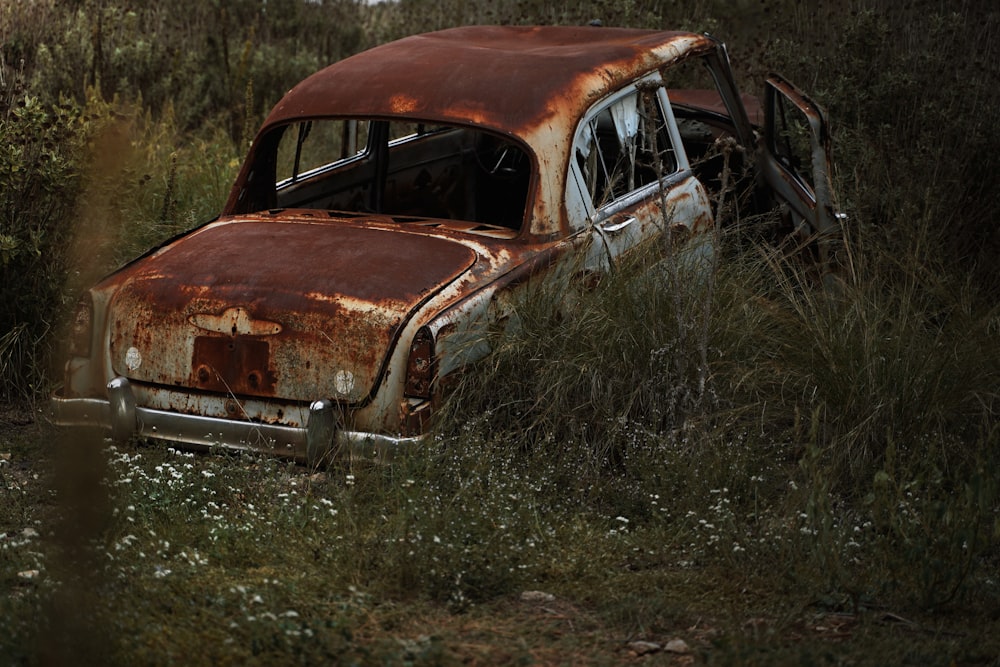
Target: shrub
(39, 182)
(913, 102)
(195, 58)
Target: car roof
(512, 79)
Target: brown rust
(272, 309)
(292, 324)
(534, 75)
(232, 365)
(540, 82)
(710, 100)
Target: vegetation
(768, 472)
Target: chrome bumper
(319, 440)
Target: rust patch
(232, 365)
(711, 100)
(513, 73)
(283, 327)
(403, 104)
(235, 321)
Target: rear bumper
(320, 440)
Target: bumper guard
(318, 441)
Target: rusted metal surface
(533, 83)
(321, 305)
(515, 79)
(293, 329)
(813, 203)
(711, 101)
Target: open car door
(796, 165)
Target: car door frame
(815, 220)
(677, 199)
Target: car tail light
(80, 331)
(420, 366)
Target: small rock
(644, 648)
(537, 596)
(28, 574)
(677, 646)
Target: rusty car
(390, 199)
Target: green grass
(208, 558)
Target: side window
(790, 139)
(698, 93)
(308, 145)
(624, 147)
(401, 168)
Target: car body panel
(325, 310)
(796, 163)
(540, 82)
(232, 308)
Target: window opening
(409, 170)
(623, 147)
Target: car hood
(288, 308)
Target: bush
(913, 102)
(222, 63)
(39, 182)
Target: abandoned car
(391, 198)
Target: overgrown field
(769, 473)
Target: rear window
(401, 169)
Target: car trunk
(294, 309)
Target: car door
(632, 176)
(792, 156)
(795, 163)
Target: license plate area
(233, 365)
